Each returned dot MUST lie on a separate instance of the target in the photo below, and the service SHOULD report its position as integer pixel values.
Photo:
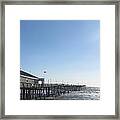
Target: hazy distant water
(87, 93)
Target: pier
(29, 91)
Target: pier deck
(46, 91)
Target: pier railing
(47, 91)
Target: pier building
(28, 78)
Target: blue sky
(69, 50)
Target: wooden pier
(45, 91)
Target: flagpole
(44, 73)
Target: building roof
(27, 74)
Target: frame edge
(2, 62)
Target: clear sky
(69, 50)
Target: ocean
(86, 93)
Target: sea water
(86, 93)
